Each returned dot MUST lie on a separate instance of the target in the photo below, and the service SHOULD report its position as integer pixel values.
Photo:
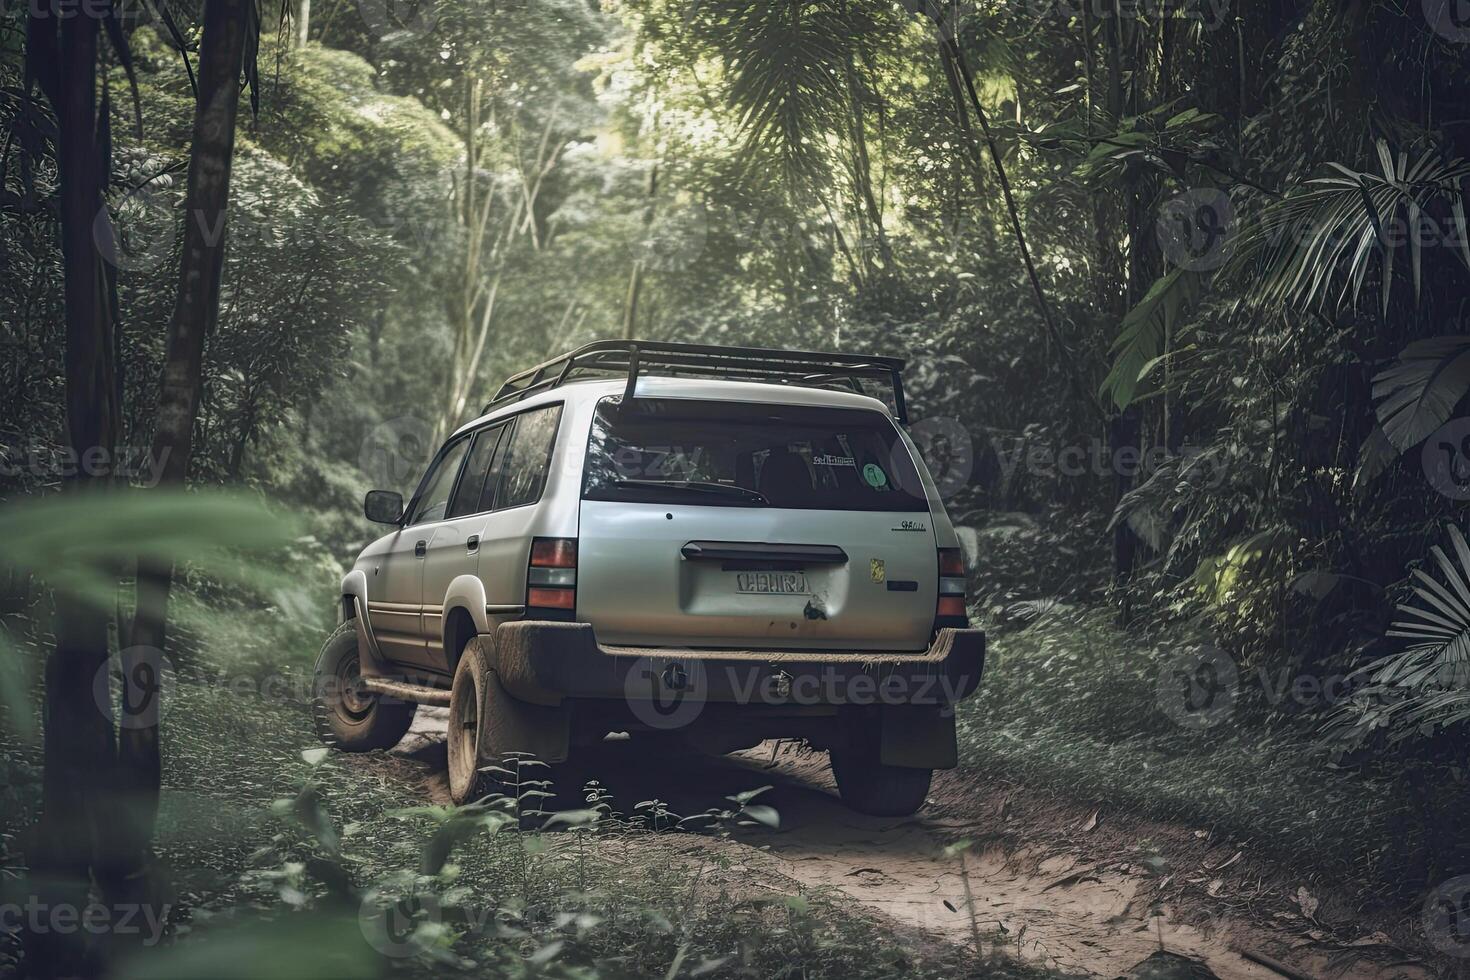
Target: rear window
(741, 454)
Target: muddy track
(1044, 888)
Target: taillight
(554, 553)
(950, 610)
(551, 579)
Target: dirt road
(1097, 907)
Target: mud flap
(917, 736)
(513, 725)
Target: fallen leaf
(1155, 864)
(1091, 823)
(1076, 877)
(1306, 901)
(1225, 864)
(1213, 888)
(949, 906)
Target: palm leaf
(1141, 336)
(1420, 391)
(1315, 249)
(785, 62)
(1440, 625)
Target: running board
(404, 691)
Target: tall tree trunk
(302, 27)
(196, 309)
(79, 752)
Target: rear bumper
(546, 662)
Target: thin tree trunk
(79, 753)
(950, 50)
(862, 168)
(635, 279)
(196, 309)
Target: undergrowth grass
(286, 860)
(1073, 703)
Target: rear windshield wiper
(696, 486)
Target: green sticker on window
(875, 476)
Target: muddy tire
(487, 723)
(345, 716)
(868, 786)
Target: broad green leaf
(80, 543)
(1141, 336)
(1420, 391)
(762, 814)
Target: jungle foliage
(1182, 288)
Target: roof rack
(632, 357)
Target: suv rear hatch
(753, 526)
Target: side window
(525, 464)
(432, 503)
(467, 495)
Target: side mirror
(383, 506)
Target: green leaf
(1141, 336)
(1313, 249)
(748, 795)
(1420, 391)
(79, 542)
(572, 818)
(762, 814)
(307, 944)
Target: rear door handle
(420, 548)
(804, 554)
(472, 543)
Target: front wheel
(346, 716)
(868, 786)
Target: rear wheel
(868, 786)
(346, 716)
(487, 723)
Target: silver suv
(722, 545)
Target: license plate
(772, 583)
